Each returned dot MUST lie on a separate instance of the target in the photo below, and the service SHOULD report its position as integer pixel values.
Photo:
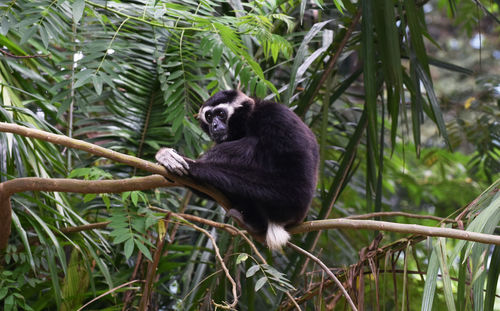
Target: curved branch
(223, 266)
(115, 156)
(10, 187)
(81, 186)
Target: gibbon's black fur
(265, 161)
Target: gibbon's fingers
(172, 161)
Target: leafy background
(404, 103)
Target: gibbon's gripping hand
(172, 161)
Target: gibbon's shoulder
(277, 115)
(272, 111)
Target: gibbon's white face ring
(228, 107)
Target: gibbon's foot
(172, 161)
(234, 213)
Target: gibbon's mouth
(219, 138)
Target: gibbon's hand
(172, 161)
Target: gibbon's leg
(255, 223)
(234, 213)
(245, 186)
(238, 181)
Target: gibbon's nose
(217, 126)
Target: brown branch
(343, 223)
(149, 182)
(13, 186)
(4, 52)
(394, 214)
(152, 267)
(335, 196)
(92, 226)
(5, 218)
(84, 186)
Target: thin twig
(107, 292)
(232, 230)
(224, 226)
(138, 19)
(92, 226)
(223, 265)
(292, 299)
(4, 52)
(333, 60)
(152, 268)
(327, 270)
(381, 253)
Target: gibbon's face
(217, 111)
(217, 119)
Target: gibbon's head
(223, 115)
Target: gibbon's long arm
(222, 173)
(255, 184)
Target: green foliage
(92, 173)
(11, 282)
(130, 76)
(76, 283)
(271, 276)
(485, 216)
(130, 224)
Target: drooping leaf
(78, 7)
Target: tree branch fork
(11, 187)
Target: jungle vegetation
(403, 96)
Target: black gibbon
(265, 161)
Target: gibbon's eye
(221, 114)
(208, 116)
